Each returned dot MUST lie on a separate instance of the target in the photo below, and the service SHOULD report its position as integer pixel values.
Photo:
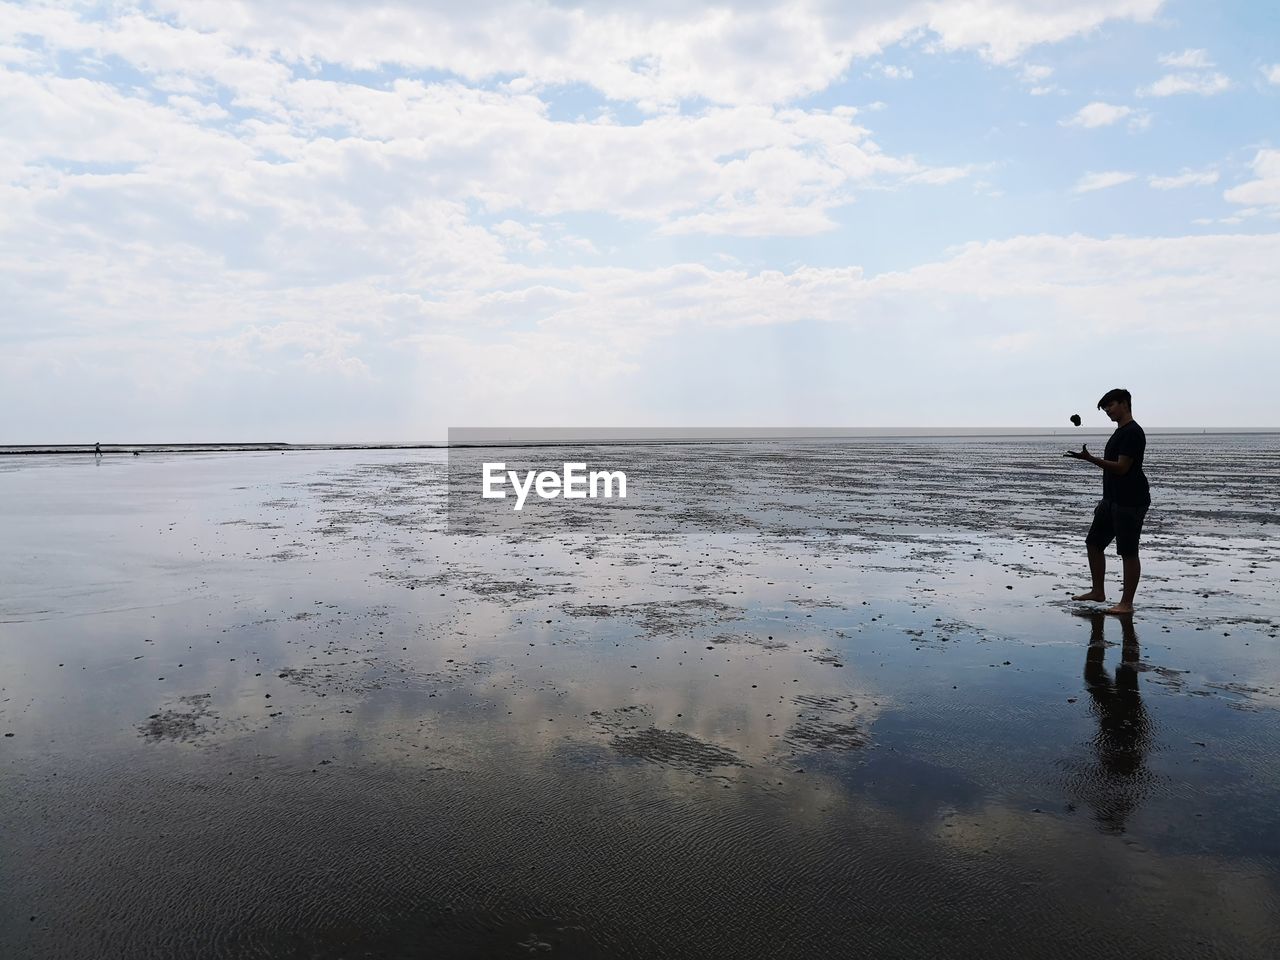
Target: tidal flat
(831, 701)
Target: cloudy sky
(339, 220)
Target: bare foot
(1121, 610)
(1091, 595)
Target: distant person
(1125, 499)
(97, 449)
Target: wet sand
(277, 706)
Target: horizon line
(605, 435)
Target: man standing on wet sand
(1125, 499)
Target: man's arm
(1119, 466)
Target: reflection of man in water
(1120, 780)
(1124, 503)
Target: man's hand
(1082, 454)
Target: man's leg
(1101, 533)
(1128, 530)
(1132, 574)
(1097, 573)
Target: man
(1125, 499)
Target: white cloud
(480, 347)
(1264, 191)
(1035, 75)
(89, 121)
(653, 55)
(1204, 84)
(750, 169)
(1004, 31)
(1188, 178)
(896, 73)
(1272, 73)
(1101, 181)
(198, 206)
(1097, 114)
(1187, 60)
(521, 236)
(19, 56)
(1097, 280)
(580, 244)
(939, 176)
(197, 109)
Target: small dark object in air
(1075, 418)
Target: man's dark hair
(1117, 394)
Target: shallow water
(266, 705)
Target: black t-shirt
(1131, 490)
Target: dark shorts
(1111, 521)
